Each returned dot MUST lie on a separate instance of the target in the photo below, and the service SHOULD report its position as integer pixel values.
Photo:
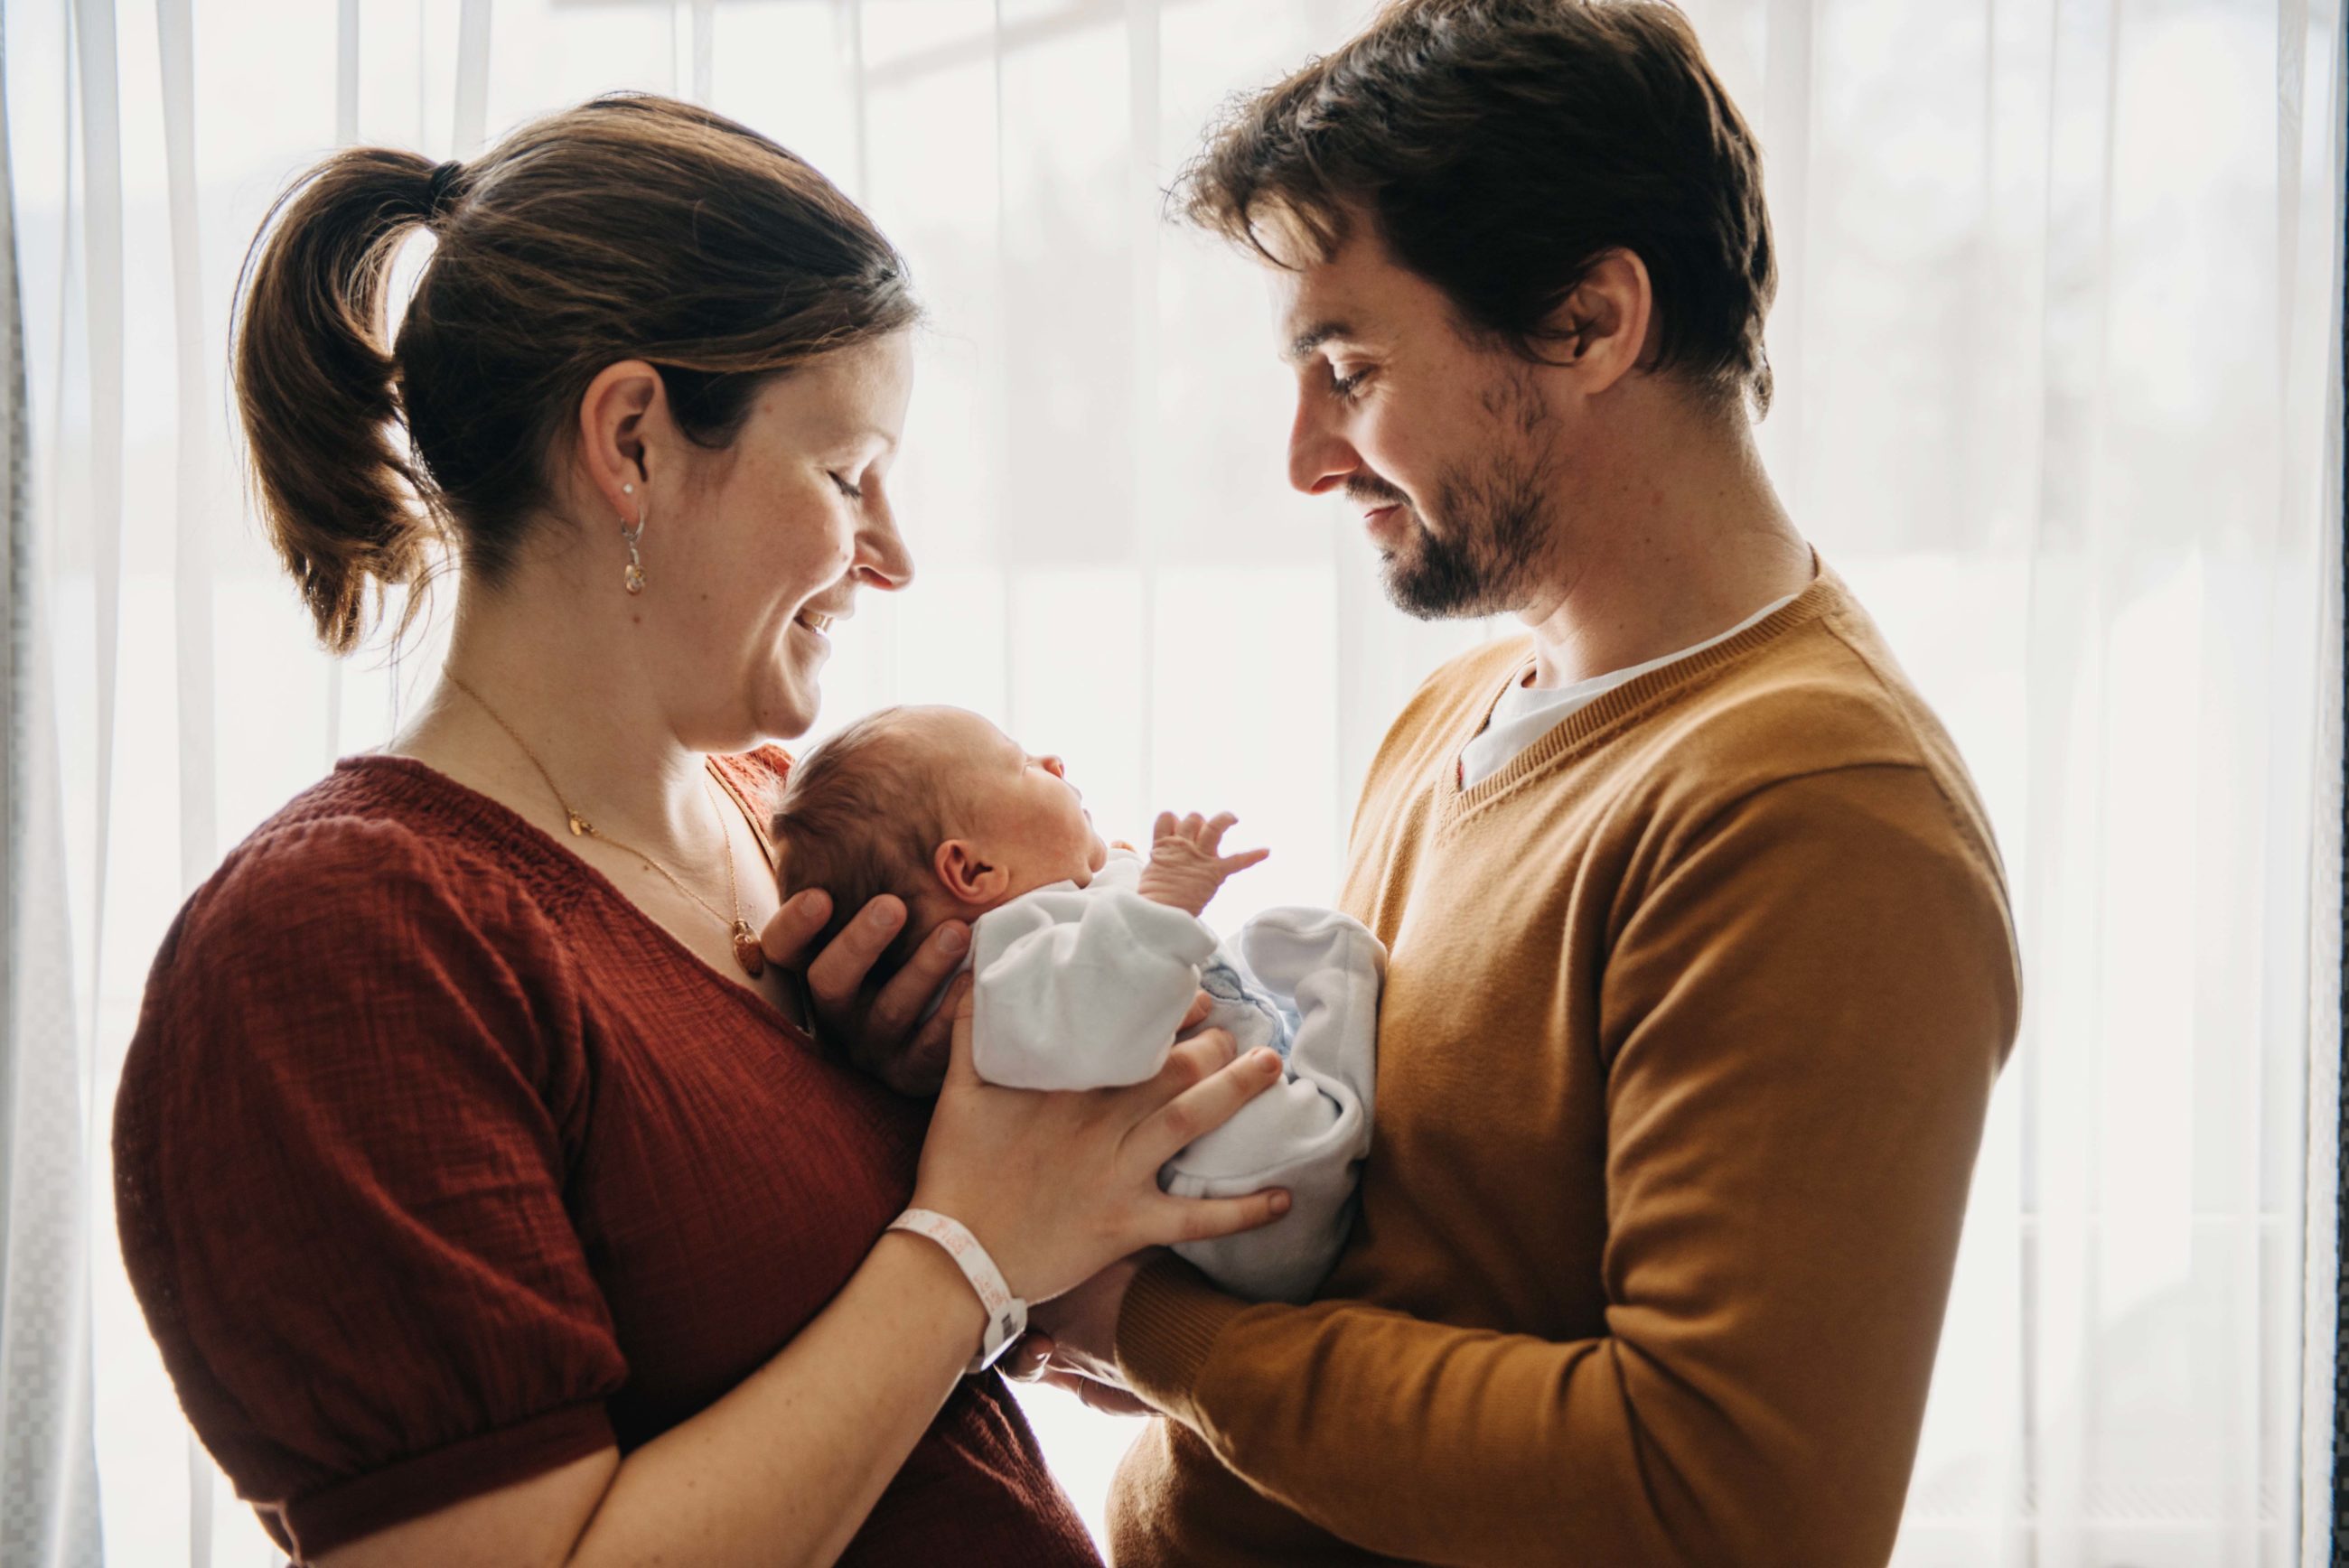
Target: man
(1702, 969)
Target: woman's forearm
(784, 1468)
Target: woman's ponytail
(317, 385)
(630, 227)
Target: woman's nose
(882, 559)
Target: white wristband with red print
(1007, 1315)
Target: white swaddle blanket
(1083, 988)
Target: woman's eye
(854, 493)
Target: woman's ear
(966, 877)
(623, 406)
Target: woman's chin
(788, 712)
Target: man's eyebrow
(1313, 338)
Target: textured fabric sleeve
(1804, 1010)
(1081, 988)
(339, 1183)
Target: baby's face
(1028, 817)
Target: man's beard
(1494, 528)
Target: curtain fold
(48, 1470)
(2057, 353)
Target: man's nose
(1319, 458)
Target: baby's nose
(1055, 767)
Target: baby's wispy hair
(861, 815)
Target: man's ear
(966, 876)
(1606, 327)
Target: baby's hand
(1186, 862)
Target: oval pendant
(747, 951)
(633, 578)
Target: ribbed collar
(1607, 717)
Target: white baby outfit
(1085, 987)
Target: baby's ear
(965, 876)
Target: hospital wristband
(1007, 1315)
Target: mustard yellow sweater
(1692, 1015)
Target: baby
(1086, 959)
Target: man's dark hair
(861, 815)
(1501, 147)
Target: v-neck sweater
(1692, 1019)
(440, 1164)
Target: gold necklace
(748, 953)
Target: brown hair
(861, 815)
(630, 227)
(1501, 147)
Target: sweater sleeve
(339, 1179)
(1081, 988)
(1804, 1012)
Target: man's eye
(854, 493)
(1346, 386)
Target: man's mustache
(1365, 490)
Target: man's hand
(881, 1030)
(1186, 862)
(1082, 1324)
(1072, 1342)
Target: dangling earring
(635, 575)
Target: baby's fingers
(1164, 827)
(1218, 826)
(1230, 864)
(1203, 1219)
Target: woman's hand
(882, 1030)
(1057, 1187)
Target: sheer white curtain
(2058, 394)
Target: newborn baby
(1086, 959)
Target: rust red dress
(439, 1164)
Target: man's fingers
(1028, 1358)
(840, 969)
(1109, 1399)
(910, 989)
(1203, 1107)
(792, 928)
(917, 1066)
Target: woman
(494, 1196)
